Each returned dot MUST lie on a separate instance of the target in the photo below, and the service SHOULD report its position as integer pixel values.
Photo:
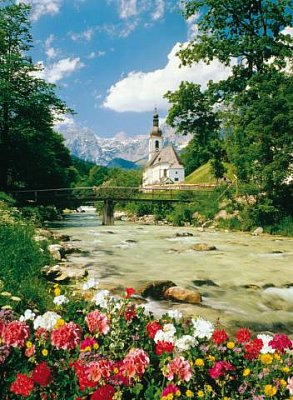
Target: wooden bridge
(112, 194)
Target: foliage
(106, 348)
(32, 155)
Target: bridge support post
(108, 215)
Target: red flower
(129, 313)
(66, 337)
(281, 342)
(243, 335)
(16, 334)
(219, 336)
(253, 349)
(152, 328)
(170, 389)
(164, 347)
(23, 385)
(129, 292)
(220, 368)
(42, 374)
(81, 373)
(103, 393)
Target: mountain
(86, 145)
(123, 164)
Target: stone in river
(182, 295)
(203, 247)
(204, 282)
(155, 289)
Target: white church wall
(176, 174)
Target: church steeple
(155, 140)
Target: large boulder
(258, 231)
(155, 289)
(55, 251)
(177, 293)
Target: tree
(248, 33)
(31, 153)
(191, 112)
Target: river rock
(51, 272)
(203, 247)
(204, 282)
(64, 273)
(182, 295)
(258, 231)
(55, 251)
(155, 289)
(184, 234)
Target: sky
(113, 60)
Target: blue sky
(112, 60)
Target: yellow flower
(283, 382)
(199, 362)
(189, 393)
(28, 344)
(60, 322)
(45, 352)
(270, 390)
(230, 345)
(226, 398)
(286, 369)
(211, 358)
(208, 388)
(277, 357)
(57, 291)
(178, 393)
(246, 372)
(200, 393)
(116, 370)
(96, 346)
(266, 359)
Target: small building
(164, 165)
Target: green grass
(203, 175)
(21, 260)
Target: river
(247, 281)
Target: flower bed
(107, 348)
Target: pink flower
(23, 385)
(220, 368)
(87, 344)
(96, 370)
(30, 351)
(97, 322)
(170, 389)
(135, 363)
(66, 337)
(280, 342)
(179, 368)
(16, 333)
(290, 385)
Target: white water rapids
(247, 281)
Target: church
(164, 166)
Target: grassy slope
(203, 174)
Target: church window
(165, 172)
(157, 145)
(176, 179)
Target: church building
(164, 166)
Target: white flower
(47, 320)
(58, 300)
(102, 298)
(167, 334)
(202, 328)
(91, 283)
(176, 314)
(266, 339)
(185, 342)
(28, 315)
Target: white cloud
(94, 54)
(127, 8)
(192, 26)
(61, 120)
(85, 35)
(42, 7)
(159, 11)
(60, 69)
(288, 31)
(141, 91)
(49, 49)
